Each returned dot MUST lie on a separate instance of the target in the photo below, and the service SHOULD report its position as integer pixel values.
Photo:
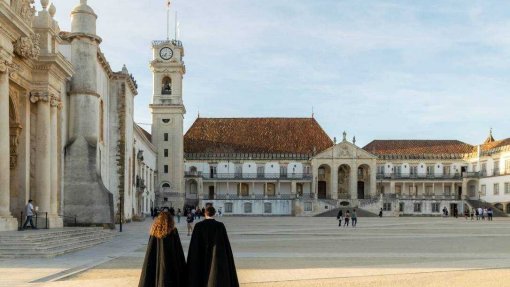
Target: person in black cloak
(164, 264)
(210, 258)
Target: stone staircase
(50, 242)
(473, 203)
(359, 212)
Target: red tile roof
(417, 147)
(256, 135)
(495, 144)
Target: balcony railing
(248, 197)
(417, 176)
(248, 176)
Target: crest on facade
(24, 9)
(28, 47)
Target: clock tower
(168, 111)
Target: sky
(375, 69)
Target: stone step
(53, 242)
(43, 237)
(44, 233)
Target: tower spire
(168, 20)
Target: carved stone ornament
(15, 130)
(28, 47)
(7, 67)
(24, 9)
(39, 96)
(55, 102)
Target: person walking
(490, 212)
(484, 214)
(178, 215)
(210, 257)
(164, 263)
(380, 213)
(30, 212)
(339, 217)
(347, 217)
(354, 218)
(480, 212)
(189, 219)
(477, 214)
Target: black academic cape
(210, 258)
(164, 265)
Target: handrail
(36, 215)
(244, 175)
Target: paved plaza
(293, 251)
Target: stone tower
(85, 194)
(168, 110)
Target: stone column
(334, 182)
(55, 104)
(7, 222)
(354, 182)
(4, 145)
(42, 152)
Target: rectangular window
(483, 189)
(484, 169)
(446, 170)
(496, 189)
(398, 170)
(268, 208)
(447, 190)
(417, 207)
(430, 170)
(401, 206)
(307, 169)
(247, 207)
(507, 166)
(228, 207)
(496, 167)
(413, 170)
(507, 187)
(165, 137)
(435, 207)
(387, 206)
(165, 199)
(165, 168)
(308, 206)
(283, 171)
(165, 152)
(474, 167)
(429, 191)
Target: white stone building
(145, 173)
(68, 132)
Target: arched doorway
(344, 175)
(363, 181)
(323, 181)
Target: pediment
(345, 150)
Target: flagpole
(176, 25)
(168, 21)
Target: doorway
(361, 190)
(322, 190)
(211, 192)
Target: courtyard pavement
(302, 251)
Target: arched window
(165, 185)
(193, 187)
(166, 86)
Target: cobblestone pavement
(293, 251)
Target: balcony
(251, 176)
(429, 176)
(249, 197)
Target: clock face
(166, 53)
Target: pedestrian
(30, 212)
(194, 213)
(455, 212)
(490, 213)
(466, 213)
(152, 212)
(472, 213)
(477, 214)
(354, 218)
(190, 220)
(480, 212)
(178, 215)
(484, 214)
(339, 217)
(164, 263)
(380, 213)
(210, 258)
(219, 212)
(347, 217)
(203, 211)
